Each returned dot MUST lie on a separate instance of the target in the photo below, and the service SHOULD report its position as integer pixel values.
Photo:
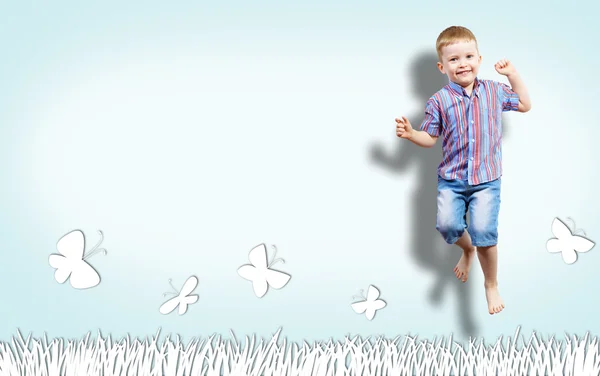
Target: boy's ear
(441, 67)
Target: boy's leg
(451, 222)
(461, 270)
(488, 258)
(484, 206)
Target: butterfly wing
(373, 303)
(257, 271)
(184, 302)
(569, 255)
(62, 266)
(372, 293)
(83, 275)
(72, 245)
(170, 305)
(259, 282)
(562, 234)
(248, 272)
(554, 246)
(185, 298)
(581, 244)
(189, 286)
(277, 279)
(260, 287)
(258, 256)
(373, 307)
(560, 229)
(360, 307)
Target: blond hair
(451, 35)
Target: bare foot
(495, 303)
(461, 270)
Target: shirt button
(471, 158)
(472, 140)
(472, 121)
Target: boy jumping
(467, 114)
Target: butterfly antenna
(573, 222)
(361, 296)
(95, 251)
(274, 261)
(95, 248)
(173, 287)
(101, 239)
(575, 230)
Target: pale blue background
(190, 132)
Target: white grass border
(351, 356)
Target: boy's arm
(405, 130)
(430, 127)
(517, 85)
(507, 69)
(422, 138)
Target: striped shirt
(471, 129)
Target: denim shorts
(482, 201)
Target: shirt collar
(459, 90)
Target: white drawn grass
(351, 356)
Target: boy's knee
(484, 228)
(451, 227)
(451, 230)
(483, 236)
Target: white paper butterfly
(71, 261)
(370, 304)
(567, 243)
(261, 274)
(183, 298)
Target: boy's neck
(469, 88)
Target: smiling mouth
(464, 72)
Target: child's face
(460, 61)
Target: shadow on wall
(427, 247)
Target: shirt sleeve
(432, 122)
(510, 99)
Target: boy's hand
(403, 128)
(505, 67)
